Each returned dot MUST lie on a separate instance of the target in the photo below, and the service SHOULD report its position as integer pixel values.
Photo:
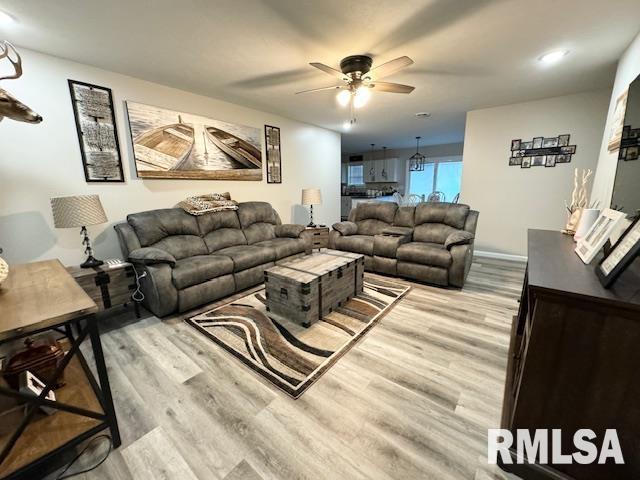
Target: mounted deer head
(10, 106)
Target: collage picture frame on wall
(541, 151)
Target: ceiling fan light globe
(361, 97)
(343, 97)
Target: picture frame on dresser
(621, 255)
(593, 241)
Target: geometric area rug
(286, 354)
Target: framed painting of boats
(97, 132)
(170, 144)
(274, 160)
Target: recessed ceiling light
(423, 114)
(5, 18)
(553, 57)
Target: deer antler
(5, 50)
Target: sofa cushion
(258, 221)
(199, 269)
(170, 229)
(356, 244)
(371, 226)
(452, 214)
(182, 246)
(404, 217)
(284, 247)
(247, 256)
(154, 225)
(221, 230)
(433, 232)
(432, 254)
(383, 211)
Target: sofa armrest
(461, 237)
(289, 230)
(156, 284)
(346, 228)
(462, 257)
(151, 256)
(127, 238)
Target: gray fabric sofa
(431, 242)
(193, 260)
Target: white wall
(628, 70)
(41, 161)
(510, 199)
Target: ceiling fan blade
(331, 71)
(390, 67)
(391, 87)
(333, 87)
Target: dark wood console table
(39, 297)
(574, 359)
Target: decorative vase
(573, 221)
(587, 219)
(4, 271)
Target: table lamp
(79, 211)
(311, 197)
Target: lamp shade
(77, 211)
(311, 196)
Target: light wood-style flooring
(413, 400)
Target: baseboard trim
(500, 256)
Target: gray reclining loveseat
(431, 242)
(193, 260)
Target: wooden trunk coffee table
(309, 287)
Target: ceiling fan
(359, 79)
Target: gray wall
(41, 161)
(510, 199)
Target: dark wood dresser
(574, 359)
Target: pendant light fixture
(372, 170)
(417, 160)
(384, 163)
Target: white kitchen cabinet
(369, 170)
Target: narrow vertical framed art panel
(274, 154)
(97, 132)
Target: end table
(319, 237)
(108, 286)
(39, 297)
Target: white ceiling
(468, 53)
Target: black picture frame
(526, 162)
(550, 161)
(515, 144)
(273, 150)
(563, 140)
(538, 161)
(609, 269)
(537, 142)
(515, 161)
(89, 173)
